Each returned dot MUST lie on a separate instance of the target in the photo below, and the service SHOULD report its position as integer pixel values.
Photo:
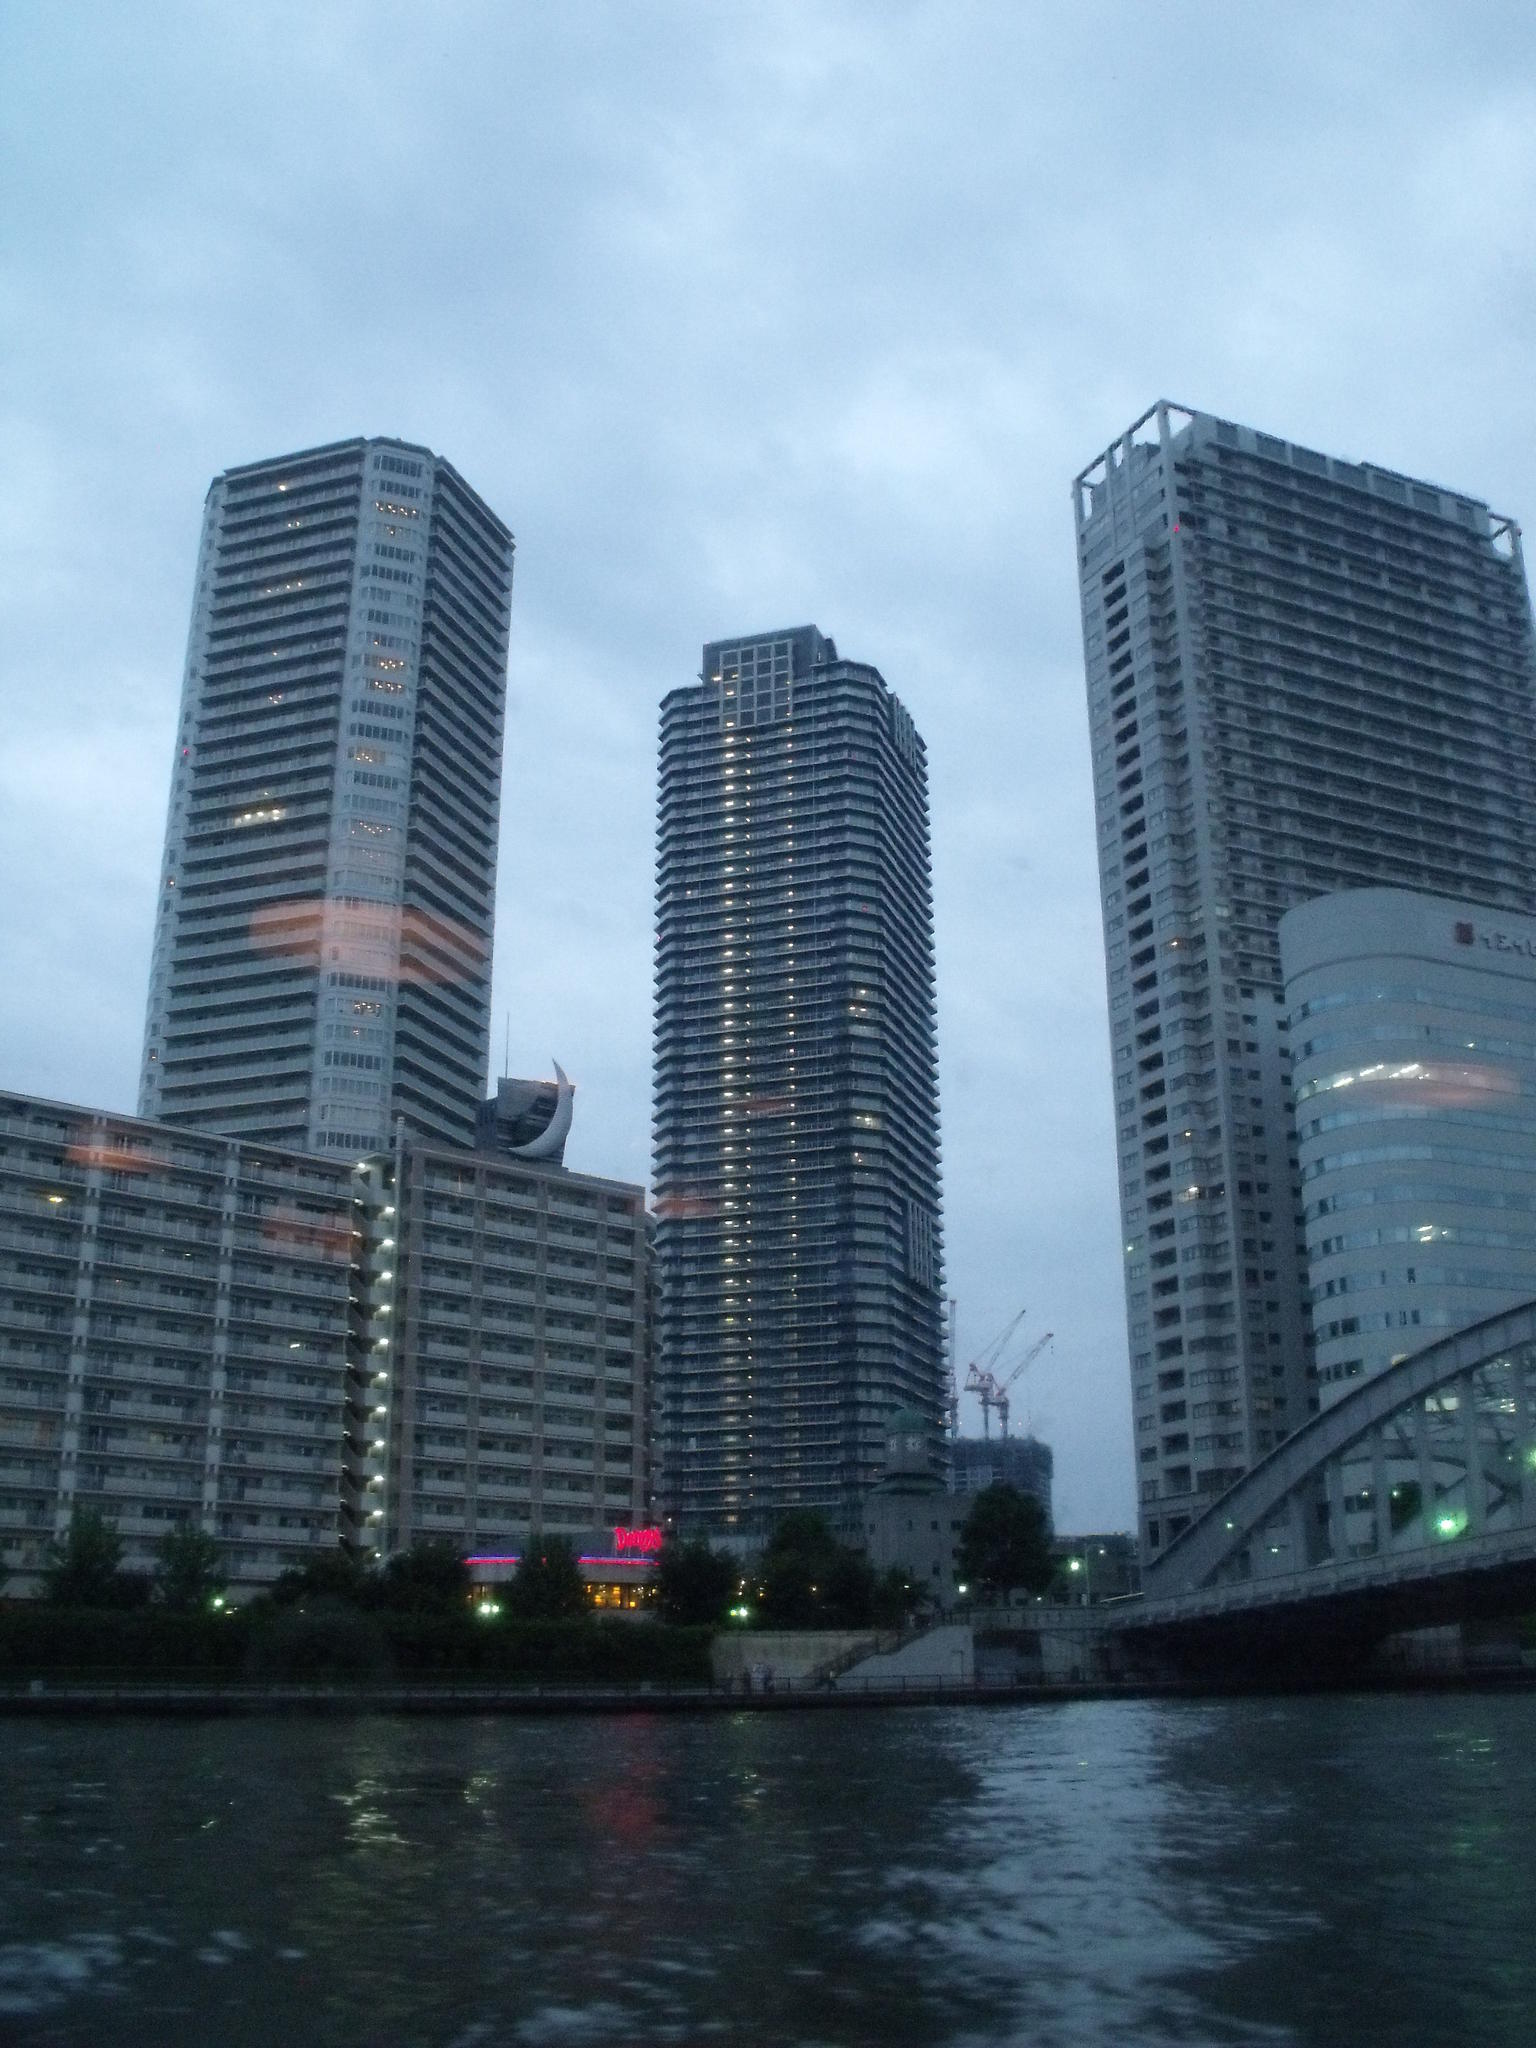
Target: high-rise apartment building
(796, 1118)
(322, 955)
(1304, 675)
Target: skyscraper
(1304, 675)
(796, 1131)
(322, 953)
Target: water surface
(1340, 1871)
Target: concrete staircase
(942, 1654)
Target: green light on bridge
(1452, 1523)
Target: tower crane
(1000, 1388)
(979, 1378)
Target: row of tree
(806, 1578)
(84, 1568)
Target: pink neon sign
(646, 1541)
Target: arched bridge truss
(1424, 1474)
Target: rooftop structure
(528, 1119)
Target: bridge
(1409, 1503)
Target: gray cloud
(740, 316)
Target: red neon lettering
(636, 1539)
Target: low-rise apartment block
(179, 1338)
(292, 1352)
(520, 1321)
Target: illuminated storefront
(617, 1565)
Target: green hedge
(145, 1643)
(548, 1652)
(330, 1640)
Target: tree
(188, 1569)
(895, 1598)
(548, 1585)
(429, 1578)
(1005, 1543)
(794, 1568)
(811, 1580)
(849, 1597)
(694, 1585)
(338, 1574)
(84, 1567)
(322, 1640)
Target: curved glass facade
(1412, 1220)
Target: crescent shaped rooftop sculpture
(527, 1119)
(550, 1143)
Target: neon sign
(646, 1541)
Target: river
(1340, 1871)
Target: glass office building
(1413, 1028)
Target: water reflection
(1219, 1873)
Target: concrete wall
(791, 1655)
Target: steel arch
(1427, 1468)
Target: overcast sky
(741, 316)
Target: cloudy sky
(741, 315)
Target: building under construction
(1021, 1461)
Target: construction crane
(1000, 1388)
(979, 1377)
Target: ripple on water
(1218, 1875)
(38, 1976)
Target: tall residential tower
(1304, 675)
(322, 955)
(796, 1132)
